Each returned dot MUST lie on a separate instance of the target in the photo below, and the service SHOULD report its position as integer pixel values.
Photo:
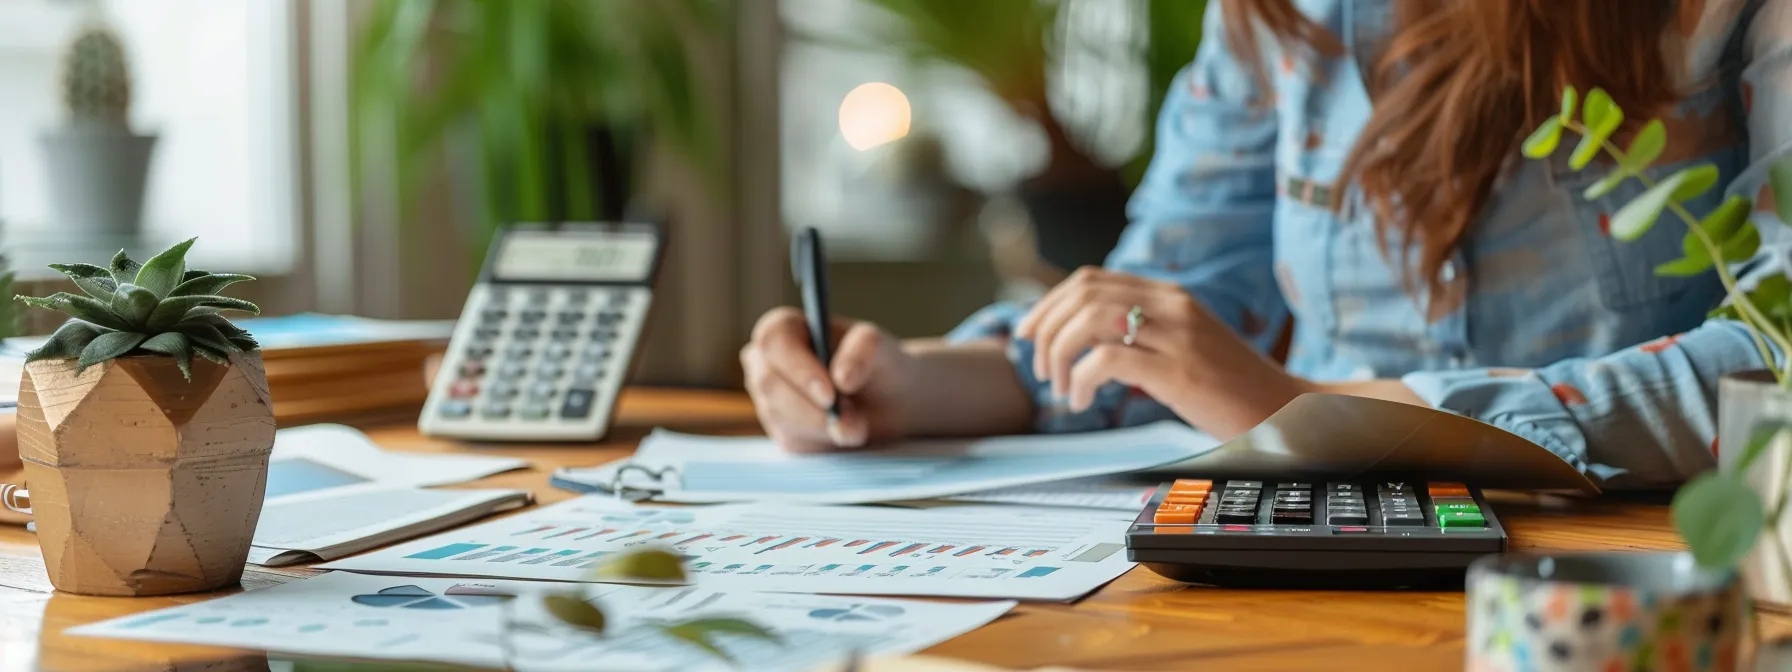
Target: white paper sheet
(313, 457)
(454, 621)
(1099, 492)
(1005, 552)
(740, 469)
(328, 524)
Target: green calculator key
(1461, 519)
(1464, 507)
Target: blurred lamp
(873, 114)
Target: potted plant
(1722, 512)
(97, 166)
(145, 427)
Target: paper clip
(15, 498)
(618, 488)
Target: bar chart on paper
(803, 549)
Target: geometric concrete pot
(142, 482)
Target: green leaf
(67, 343)
(206, 335)
(1646, 147)
(216, 356)
(95, 281)
(1772, 296)
(1743, 245)
(208, 284)
(1685, 267)
(1719, 516)
(1759, 438)
(1634, 219)
(108, 346)
(79, 307)
(123, 269)
(1694, 181)
(173, 310)
(701, 633)
(1568, 99)
(1605, 185)
(648, 565)
(1725, 222)
(1544, 140)
(1779, 181)
(1602, 118)
(134, 304)
(569, 609)
(164, 271)
(176, 345)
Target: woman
(1354, 166)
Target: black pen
(809, 266)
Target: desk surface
(1139, 621)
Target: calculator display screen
(619, 256)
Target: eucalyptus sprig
(571, 608)
(1717, 512)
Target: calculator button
(1403, 519)
(557, 351)
(1291, 517)
(588, 371)
(455, 408)
(1235, 517)
(609, 317)
(1244, 485)
(1347, 519)
(1350, 529)
(486, 333)
(511, 370)
(472, 368)
(1345, 487)
(534, 411)
(518, 350)
(496, 410)
(1394, 487)
(578, 403)
(1176, 514)
(1455, 507)
(464, 388)
(577, 296)
(532, 315)
(541, 390)
(1191, 485)
(549, 371)
(525, 333)
(563, 334)
(597, 353)
(1461, 519)
(479, 351)
(538, 296)
(603, 334)
(571, 316)
(501, 390)
(618, 297)
(1447, 490)
(1353, 510)
(1293, 486)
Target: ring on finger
(1134, 319)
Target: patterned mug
(1602, 612)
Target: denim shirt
(1565, 336)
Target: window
(211, 79)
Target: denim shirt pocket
(1626, 270)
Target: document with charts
(458, 621)
(1005, 552)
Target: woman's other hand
(792, 391)
(1182, 355)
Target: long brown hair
(1458, 86)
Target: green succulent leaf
(176, 345)
(1685, 267)
(164, 271)
(1743, 245)
(1602, 118)
(573, 611)
(649, 565)
(1544, 140)
(216, 356)
(1695, 181)
(1569, 96)
(206, 335)
(106, 347)
(1606, 185)
(79, 307)
(123, 269)
(1779, 181)
(208, 284)
(1634, 219)
(192, 274)
(1727, 221)
(1719, 515)
(1772, 296)
(95, 281)
(68, 341)
(701, 633)
(176, 308)
(134, 304)
(1759, 438)
(1646, 147)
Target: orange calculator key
(1196, 498)
(1191, 485)
(1176, 514)
(1447, 490)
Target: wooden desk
(1138, 622)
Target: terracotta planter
(142, 482)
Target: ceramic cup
(1602, 612)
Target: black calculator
(1353, 533)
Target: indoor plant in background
(1722, 512)
(145, 427)
(97, 167)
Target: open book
(332, 492)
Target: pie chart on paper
(459, 596)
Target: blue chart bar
(1037, 571)
(445, 551)
(588, 561)
(551, 556)
(519, 554)
(486, 553)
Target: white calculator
(546, 338)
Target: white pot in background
(96, 175)
(1746, 403)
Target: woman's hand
(792, 391)
(1182, 356)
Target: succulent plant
(157, 307)
(96, 78)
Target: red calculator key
(1447, 490)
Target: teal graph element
(460, 596)
(448, 551)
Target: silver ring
(1135, 318)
